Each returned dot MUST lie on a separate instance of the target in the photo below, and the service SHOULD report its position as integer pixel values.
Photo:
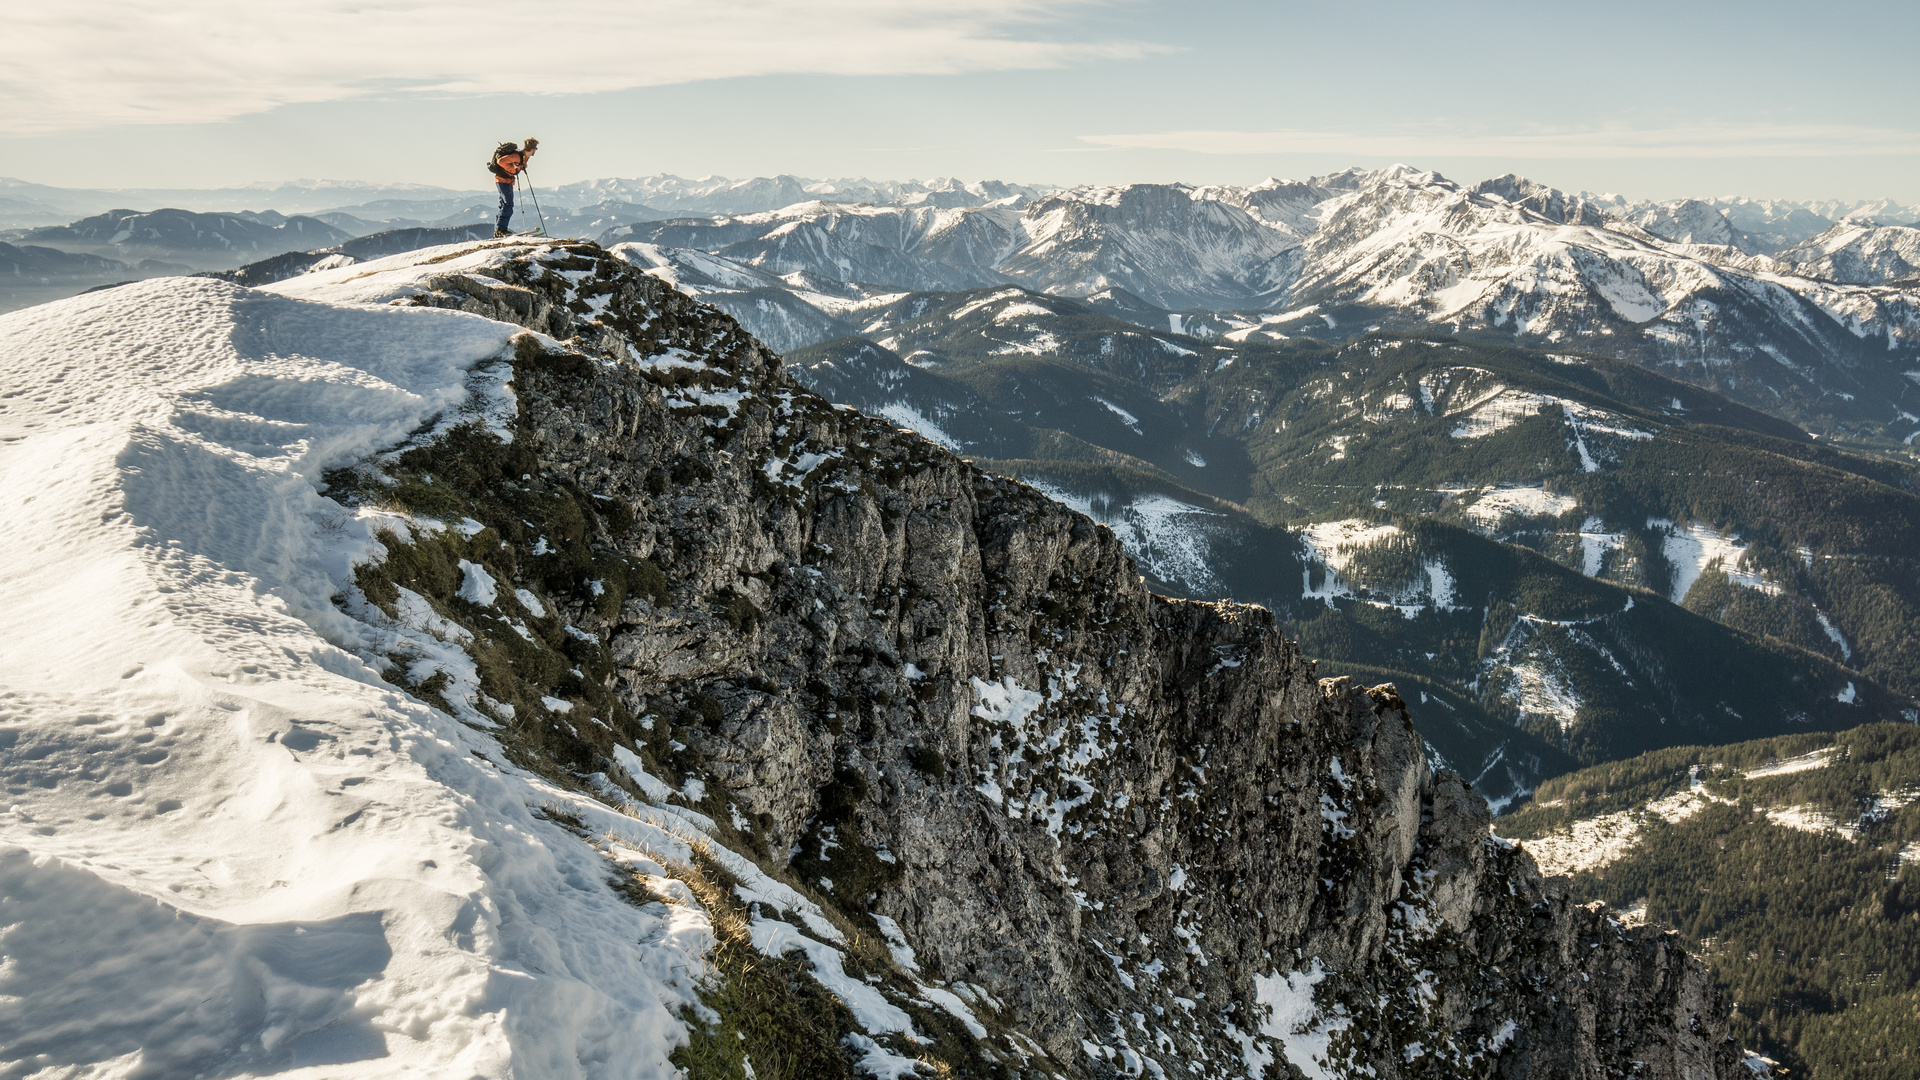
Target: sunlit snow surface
(227, 844)
(1296, 1023)
(1819, 759)
(1591, 843)
(1594, 842)
(913, 420)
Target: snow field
(1126, 417)
(227, 841)
(1819, 759)
(1498, 412)
(1595, 542)
(1597, 841)
(906, 416)
(1494, 507)
(1542, 690)
(1296, 1023)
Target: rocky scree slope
(1099, 832)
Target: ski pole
(536, 206)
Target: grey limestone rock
(1139, 830)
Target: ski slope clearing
(229, 846)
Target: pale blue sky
(1647, 99)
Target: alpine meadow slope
(583, 697)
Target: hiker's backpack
(493, 163)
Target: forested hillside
(1792, 864)
(1601, 466)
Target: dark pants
(506, 205)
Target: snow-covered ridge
(217, 793)
(359, 882)
(1859, 253)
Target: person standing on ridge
(508, 162)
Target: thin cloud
(1690, 142)
(95, 63)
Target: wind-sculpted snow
(230, 844)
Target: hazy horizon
(1650, 101)
(347, 186)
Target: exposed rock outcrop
(1136, 836)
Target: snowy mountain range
(1860, 253)
(719, 195)
(228, 239)
(1772, 304)
(1821, 330)
(25, 204)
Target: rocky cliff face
(1065, 827)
